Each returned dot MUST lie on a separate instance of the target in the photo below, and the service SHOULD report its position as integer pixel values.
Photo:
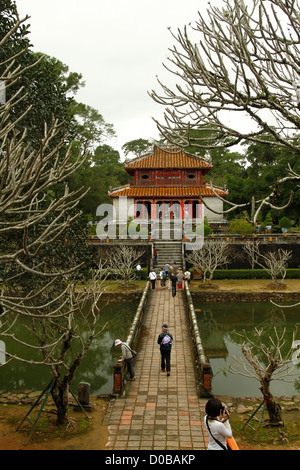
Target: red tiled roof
(165, 192)
(167, 158)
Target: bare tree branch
(236, 73)
(274, 262)
(208, 258)
(265, 362)
(122, 262)
(32, 218)
(244, 58)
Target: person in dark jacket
(165, 340)
(173, 279)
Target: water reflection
(219, 322)
(96, 368)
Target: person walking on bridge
(165, 340)
(173, 280)
(153, 277)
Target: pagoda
(169, 183)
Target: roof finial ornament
(168, 147)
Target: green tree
(91, 128)
(285, 223)
(19, 40)
(137, 147)
(101, 171)
(241, 227)
(207, 228)
(268, 220)
(50, 91)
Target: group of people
(170, 276)
(217, 416)
(176, 277)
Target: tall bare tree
(212, 255)
(237, 74)
(33, 289)
(243, 57)
(266, 357)
(27, 177)
(61, 328)
(274, 262)
(122, 261)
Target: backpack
(133, 352)
(166, 342)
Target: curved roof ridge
(167, 192)
(168, 158)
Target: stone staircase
(165, 230)
(169, 251)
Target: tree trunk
(274, 411)
(273, 408)
(60, 396)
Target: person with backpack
(167, 268)
(128, 355)
(163, 277)
(165, 340)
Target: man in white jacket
(152, 277)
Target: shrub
(241, 227)
(251, 274)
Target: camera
(224, 410)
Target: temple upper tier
(169, 182)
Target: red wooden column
(153, 209)
(200, 210)
(182, 209)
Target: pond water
(96, 368)
(218, 324)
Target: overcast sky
(118, 46)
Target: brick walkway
(160, 412)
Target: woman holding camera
(217, 425)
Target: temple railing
(175, 229)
